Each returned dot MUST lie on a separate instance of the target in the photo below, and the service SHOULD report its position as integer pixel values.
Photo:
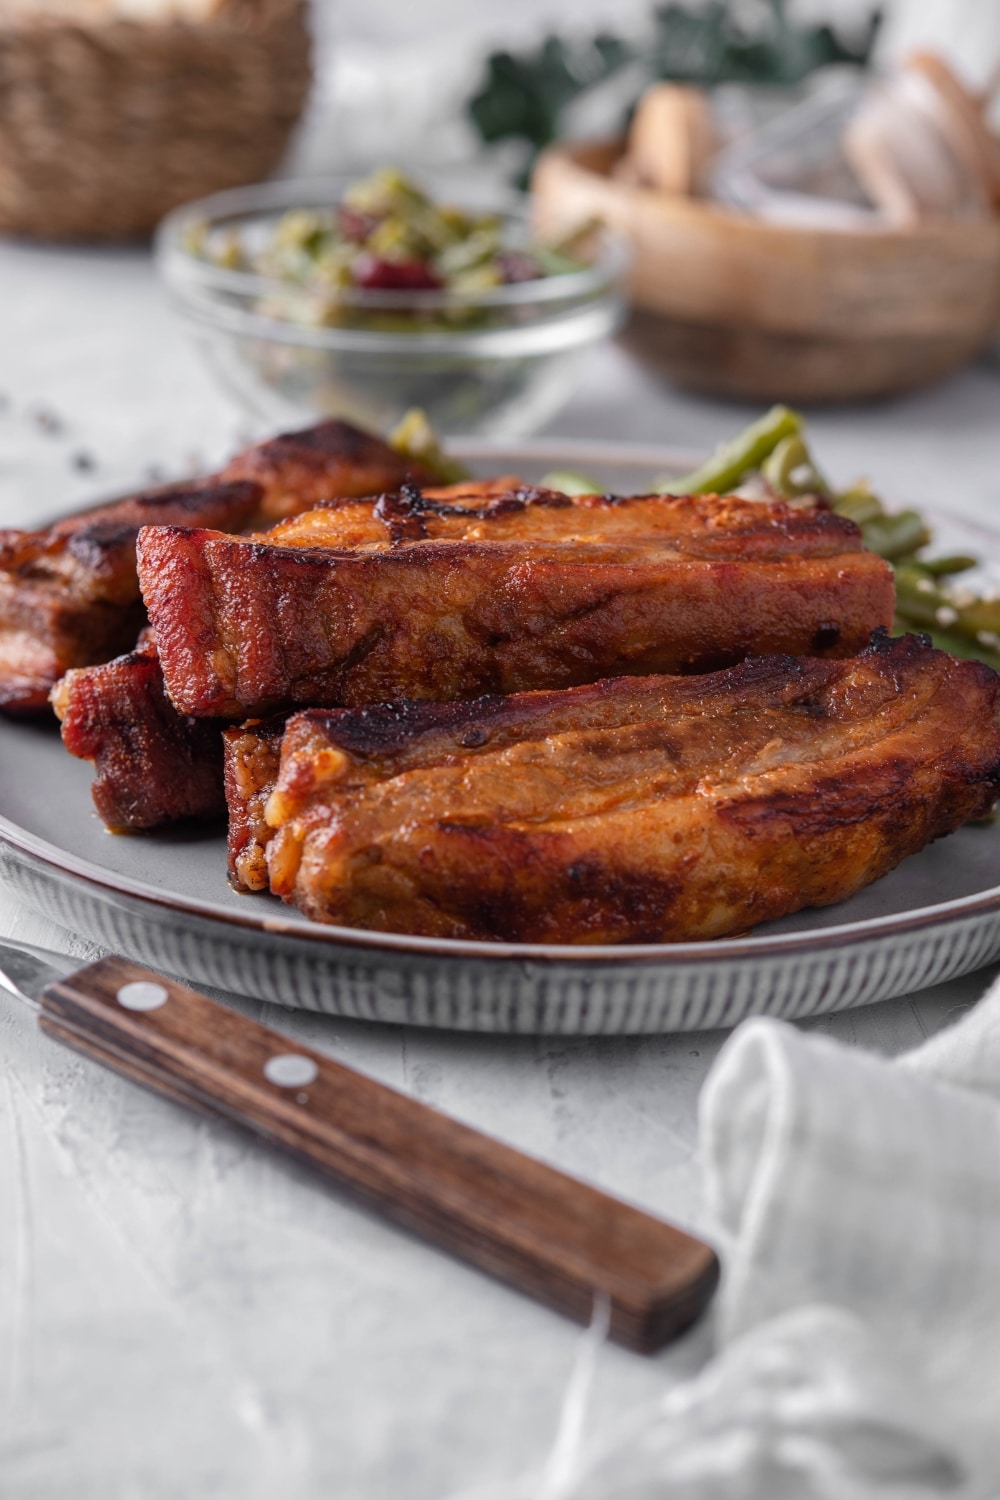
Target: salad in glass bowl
(363, 299)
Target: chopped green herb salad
(386, 235)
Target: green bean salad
(385, 235)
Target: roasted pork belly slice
(249, 626)
(152, 765)
(300, 469)
(633, 810)
(503, 510)
(69, 596)
(45, 630)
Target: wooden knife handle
(545, 1233)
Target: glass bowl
(498, 363)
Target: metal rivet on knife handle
(141, 994)
(290, 1070)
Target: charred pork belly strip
(153, 766)
(415, 730)
(301, 469)
(530, 590)
(69, 596)
(656, 810)
(118, 716)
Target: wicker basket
(105, 127)
(761, 311)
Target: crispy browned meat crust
(252, 756)
(642, 810)
(416, 599)
(506, 510)
(298, 470)
(69, 595)
(153, 766)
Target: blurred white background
(393, 71)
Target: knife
(547, 1234)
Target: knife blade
(545, 1233)
(26, 970)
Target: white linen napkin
(857, 1204)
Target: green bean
(790, 470)
(734, 460)
(958, 645)
(918, 598)
(859, 504)
(959, 620)
(894, 536)
(571, 483)
(911, 561)
(956, 562)
(977, 616)
(977, 619)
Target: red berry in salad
(377, 274)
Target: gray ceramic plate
(164, 899)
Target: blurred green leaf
(523, 96)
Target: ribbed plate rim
(672, 955)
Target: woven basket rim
(232, 20)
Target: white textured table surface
(182, 1314)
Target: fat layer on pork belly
(632, 810)
(414, 597)
(69, 595)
